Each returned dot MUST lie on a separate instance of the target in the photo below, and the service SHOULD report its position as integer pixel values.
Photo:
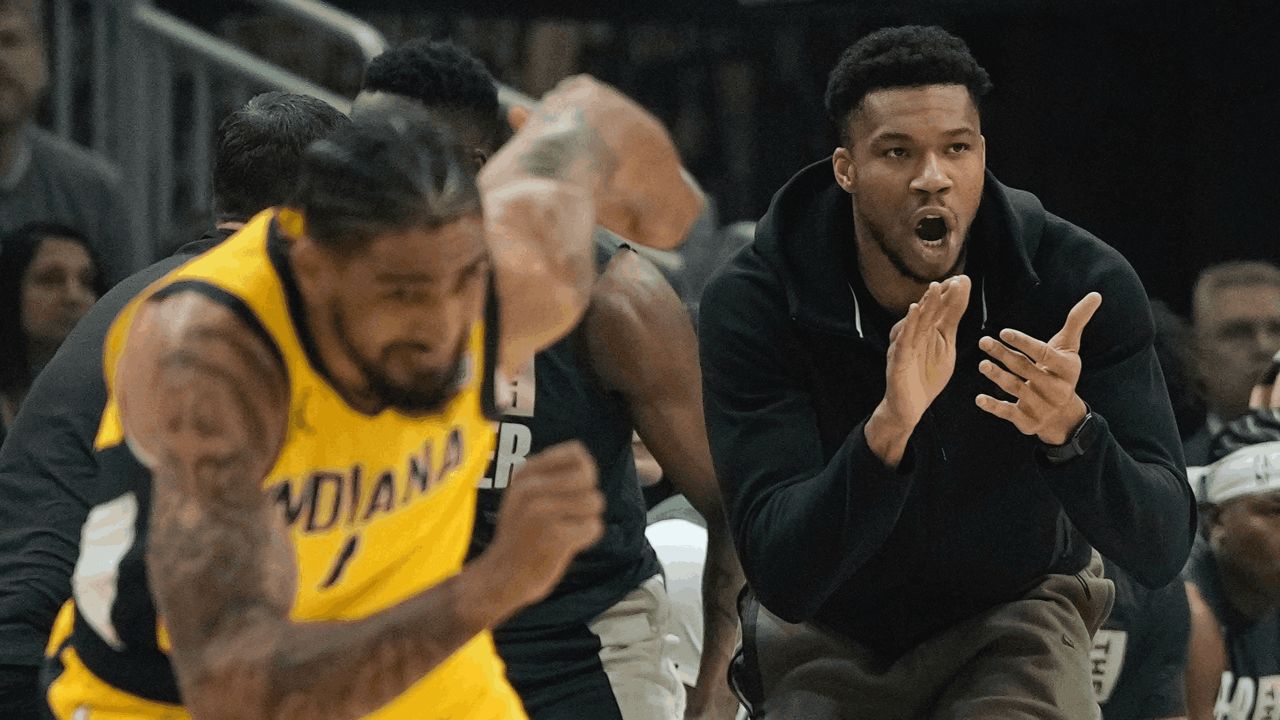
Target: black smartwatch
(1077, 444)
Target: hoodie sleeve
(801, 524)
(1128, 494)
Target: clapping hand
(1041, 377)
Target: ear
(982, 148)
(844, 169)
(1211, 522)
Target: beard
(881, 239)
(425, 393)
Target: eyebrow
(904, 137)
(417, 278)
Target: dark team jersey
(49, 476)
(555, 399)
(1250, 688)
(1139, 656)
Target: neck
(1242, 596)
(346, 376)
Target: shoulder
(68, 158)
(634, 321)
(745, 287)
(1075, 259)
(189, 356)
(1072, 262)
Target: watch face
(1087, 433)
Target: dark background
(1152, 124)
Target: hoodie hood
(810, 220)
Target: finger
(956, 295)
(1005, 411)
(1275, 397)
(932, 304)
(896, 330)
(910, 325)
(1068, 338)
(1037, 350)
(1005, 380)
(568, 452)
(578, 506)
(1014, 361)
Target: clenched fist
(551, 511)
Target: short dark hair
(442, 76)
(382, 174)
(907, 56)
(259, 150)
(17, 250)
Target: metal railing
(156, 86)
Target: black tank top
(1250, 688)
(558, 399)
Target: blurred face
(23, 73)
(1237, 333)
(403, 309)
(1246, 540)
(915, 166)
(57, 290)
(471, 133)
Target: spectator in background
(1236, 320)
(43, 178)
(1233, 672)
(48, 461)
(48, 280)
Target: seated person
(1233, 670)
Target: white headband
(1251, 470)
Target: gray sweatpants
(1025, 659)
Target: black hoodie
(793, 362)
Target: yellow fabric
(380, 507)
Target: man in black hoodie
(915, 501)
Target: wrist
(1061, 434)
(483, 599)
(887, 434)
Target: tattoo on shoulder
(212, 551)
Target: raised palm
(922, 349)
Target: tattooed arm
(585, 155)
(204, 403)
(642, 345)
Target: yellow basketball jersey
(379, 507)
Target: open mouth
(931, 229)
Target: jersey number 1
(340, 563)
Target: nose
(932, 178)
(77, 293)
